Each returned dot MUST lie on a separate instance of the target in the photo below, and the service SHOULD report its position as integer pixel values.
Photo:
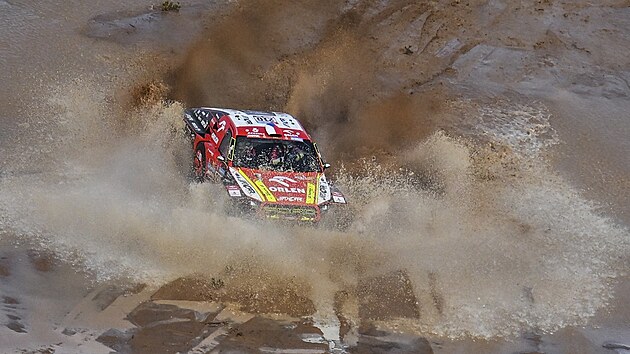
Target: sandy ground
(505, 233)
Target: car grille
(291, 212)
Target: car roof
(249, 122)
(244, 118)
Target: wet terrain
(483, 146)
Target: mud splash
(496, 244)
(461, 227)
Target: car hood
(283, 187)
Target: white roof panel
(246, 118)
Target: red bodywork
(270, 194)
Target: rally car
(266, 161)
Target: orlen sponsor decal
(287, 190)
(290, 199)
(282, 180)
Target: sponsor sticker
(291, 199)
(246, 184)
(287, 190)
(254, 132)
(291, 133)
(221, 126)
(234, 191)
(265, 119)
(265, 192)
(310, 193)
(338, 198)
(282, 180)
(324, 190)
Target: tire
(198, 168)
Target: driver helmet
(297, 154)
(275, 155)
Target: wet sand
(542, 84)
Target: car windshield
(276, 155)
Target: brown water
(483, 146)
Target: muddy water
(461, 142)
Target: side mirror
(326, 165)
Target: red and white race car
(266, 161)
